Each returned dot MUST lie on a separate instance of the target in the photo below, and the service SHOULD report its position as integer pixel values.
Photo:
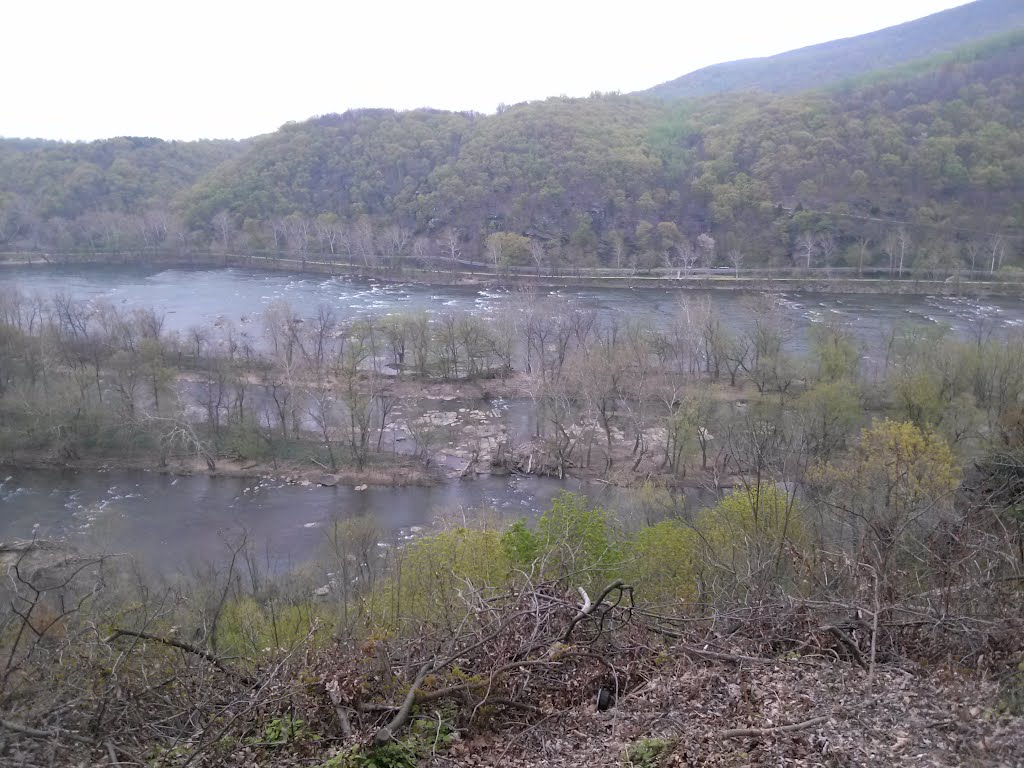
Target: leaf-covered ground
(904, 717)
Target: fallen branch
(387, 733)
(734, 733)
(847, 641)
(504, 702)
(181, 645)
(339, 709)
(440, 693)
(37, 733)
(735, 658)
(589, 607)
(703, 653)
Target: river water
(206, 296)
(174, 523)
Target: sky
(88, 69)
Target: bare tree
(736, 259)
(396, 239)
(895, 247)
(537, 253)
(706, 249)
(361, 241)
(225, 230)
(863, 244)
(450, 244)
(997, 246)
(808, 243)
(903, 243)
(973, 248)
(330, 233)
(423, 249)
(827, 244)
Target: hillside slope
(614, 180)
(59, 195)
(932, 151)
(837, 60)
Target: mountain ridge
(934, 147)
(830, 62)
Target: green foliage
(250, 628)
(663, 561)
(835, 353)
(122, 175)
(521, 545)
(508, 249)
(829, 412)
(750, 536)
(397, 754)
(917, 397)
(430, 576)
(610, 180)
(426, 736)
(435, 731)
(282, 730)
(577, 541)
(647, 753)
(892, 491)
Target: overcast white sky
(87, 69)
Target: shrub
(249, 627)
(521, 545)
(429, 578)
(647, 753)
(747, 536)
(663, 563)
(577, 543)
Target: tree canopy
(919, 167)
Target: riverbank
(404, 472)
(454, 275)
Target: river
(206, 296)
(175, 523)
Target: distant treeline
(922, 168)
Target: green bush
(282, 730)
(749, 535)
(428, 579)
(577, 543)
(521, 545)
(397, 754)
(247, 627)
(663, 563)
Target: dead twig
(733, 733)
(847, 641)
(37, 733)
(387, 733)
(339, 709)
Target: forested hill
(837, 60)
(60, 195)
(920, 166)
